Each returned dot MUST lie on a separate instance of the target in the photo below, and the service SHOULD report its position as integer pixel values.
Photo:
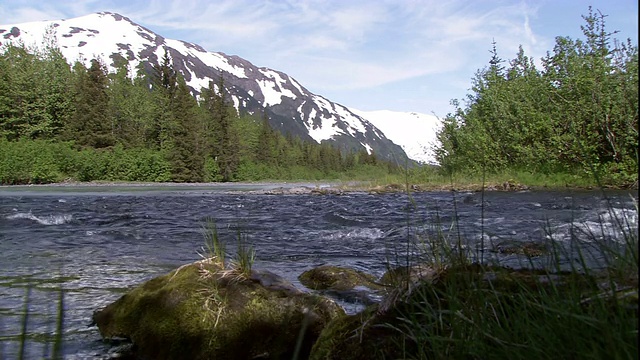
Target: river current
(98, 242)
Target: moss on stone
(201, 311)
(362, 336)
(404, 274)
(430, 306)
(530, 249)
(328, 277)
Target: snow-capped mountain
(414, 132)
(291, 108)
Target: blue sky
(400, 55)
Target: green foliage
(31, 162)
(34, 92)
(252, 171)
(90, 124)
(41, 162)
(579, 113)
(224, 139)
(187, 151)
(117, 127)
(211, 170)
(137, 164)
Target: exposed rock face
(201, 311)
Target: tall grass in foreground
(57, 349)
(582, 304)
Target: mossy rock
(414, 318)
(362, 336)
(529, 249)
(328, 277)
(201, 311)
(409, 274)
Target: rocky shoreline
(294, 188)
(271, 188)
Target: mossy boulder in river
(202, 311)
(328, 277)
(341, 283)
(409, 274)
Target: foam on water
(613, 224)
(353, 233)
(57, 219)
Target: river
(98, 242)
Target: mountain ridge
(290, 107)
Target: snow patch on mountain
(414, 132)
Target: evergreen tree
(13, 84)
(266, 151)
(91, 124)
(58, 86)
(187, 151)
(163, 81)
(225, 142)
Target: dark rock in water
(337, 278)
(274, 282)
(343, 284)
(529, 248)
(404, 274)
(358, 295)
(202, 311)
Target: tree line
(60, 122)
(577, 114)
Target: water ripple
(97, 245)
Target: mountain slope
(414, 132)
(291, 108)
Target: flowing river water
(97, 242)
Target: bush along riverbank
(444, 302)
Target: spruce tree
(225, 143)
(186, 153)
(267, 151)
(163, 81)
(91, 123)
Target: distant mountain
(414, 132)
(291, 108)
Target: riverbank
(315, 187)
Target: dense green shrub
(30, 162)
(578, 113)
(137, 164)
